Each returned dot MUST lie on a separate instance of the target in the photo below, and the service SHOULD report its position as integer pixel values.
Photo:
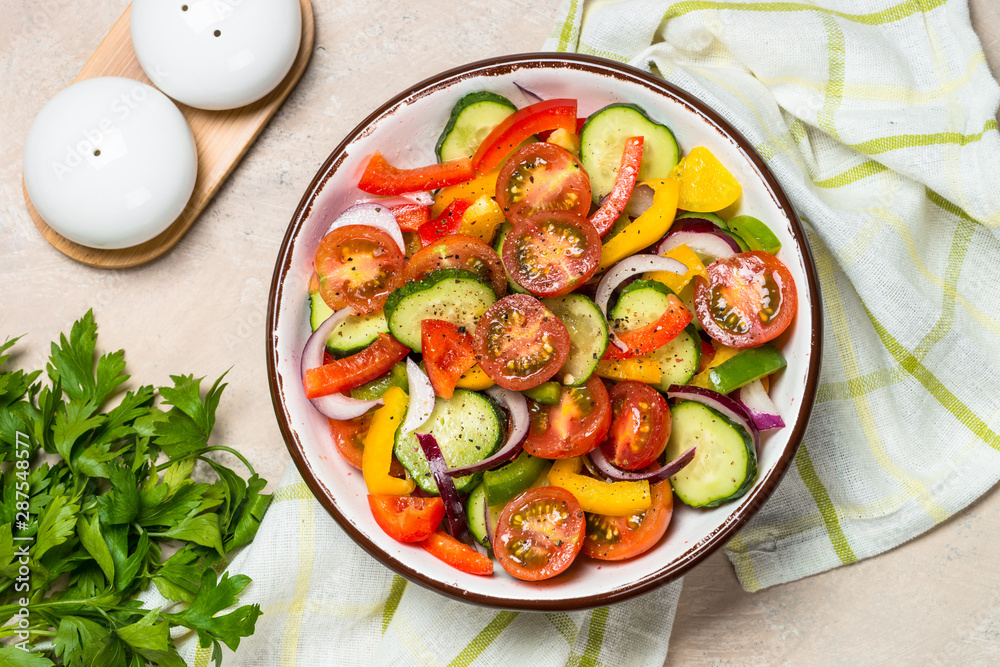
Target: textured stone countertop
(200, 309)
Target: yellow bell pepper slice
(378, 447)
(648, 227)
(706, 185)
(722, 354)
(594, 495)
(475, 379)
(640, 369)
(565, 139)
(485, 184)
(482, 218)
(688, 258)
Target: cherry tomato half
(539, 533)
(621, 537)
(358, 266)
(542, 177)
(749, 299)
(640, 427)
(405, 518)
(348, 437)
(520, 343)
(552, 253)
(459, 251)
(572, 427)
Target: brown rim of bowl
(762, 489)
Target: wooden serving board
(221, 137)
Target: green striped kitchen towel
(327, 602)
(878, 118)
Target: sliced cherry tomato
(381, 178)
(410, 217)
(459, 251)
(447, 352)
(613, 205)
(460, 556)
(449, 222)
(655, 334)
(348, 437)
(358, 266)
(750, 300)
(539, 533)
(572, 427)
(621, 537)
(407, 519)
(355, 370)
(520, 343)
(552, 253)
(640, 428)
(542, 177)
(515, 128)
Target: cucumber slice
(507, 482)
(588, 336)
(602, 141)
(454, 295)
(757, 235)
(725, 465)
(374, 390)
(505, 228)
(643, 302)
(472, 119)
(744, 367)
(475, 514)
(355, 334)
(678, 359)
(640, 303)
(467, 428)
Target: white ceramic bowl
(405, 130)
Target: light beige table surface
(200, 310)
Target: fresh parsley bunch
(112, 508)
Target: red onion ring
(721, 403)
(421, 403)
(529, 94)
(489, 523)
(701, 236)
(419, 198)
(628, 268)
(372, 214)
(610, 470)
(520, 422)
(446, 487)
(334, 406)
(759, 406)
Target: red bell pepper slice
(534, 118)
(707, 354)
(405, 518)
(355, 370)
(458, 555)
(449, 222)
(381, 178)
(604, 218)
(410, 217)
(448, 354)
(655, 334)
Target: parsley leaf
(114, 497)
